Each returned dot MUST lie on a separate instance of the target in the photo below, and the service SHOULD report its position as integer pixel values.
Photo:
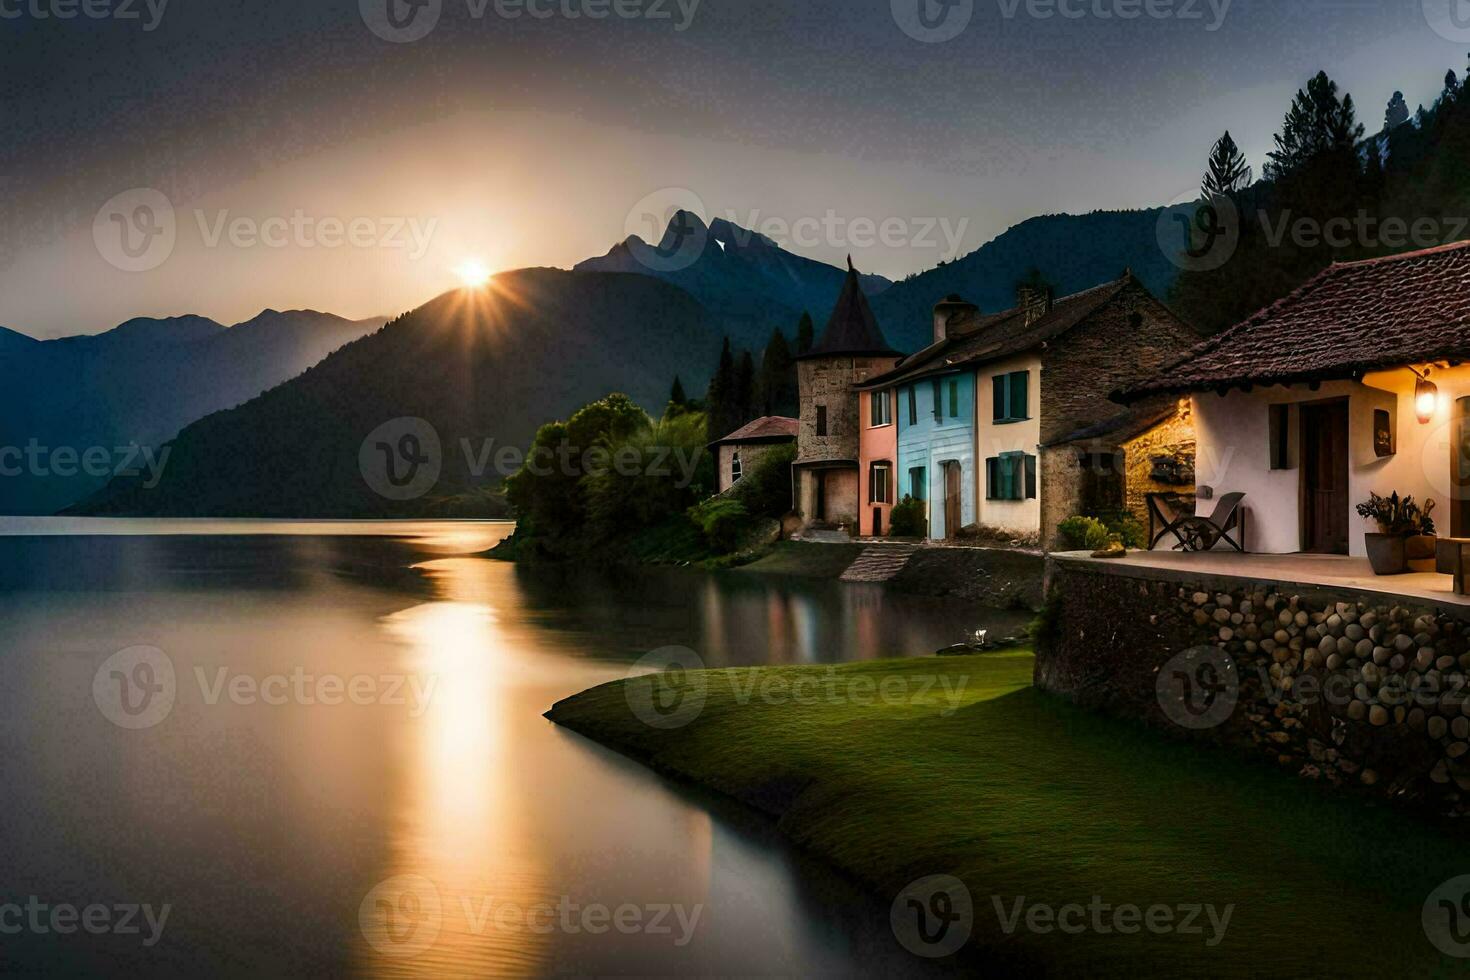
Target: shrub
(766, 489)
(906, 520)
(722, 520)
(1085, 533)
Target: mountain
(749, 284)
(484, 366)
(1072, 252)
(139, 383)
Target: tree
(778, 377)
(677, 398)
(1228, 171)
(745, 394)
(1451, 84)
(805, 334)
(720, 403)
(1318, 126)
(1397, 113)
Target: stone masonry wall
(750, 454)
(1081, 368)
(1168, 446)
(828, 381)
(1354, 690)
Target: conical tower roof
(853, 330)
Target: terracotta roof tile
(1352, 318)
(768, 429)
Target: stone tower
(851, 350)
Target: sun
(472, 272)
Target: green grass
(807, 560)
(1019, 793)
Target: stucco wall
(1233, 434)
(992, 439)
(877, 443)
(930, 445)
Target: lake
(287, 748)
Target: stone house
(1356, 383)
(987, 416)
(851, 350)
(739, 452)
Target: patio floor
(1336, 572)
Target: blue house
(936, 448)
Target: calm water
(267, 819)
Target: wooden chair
(1203, 533)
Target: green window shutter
(954, 399)
(999, 403)
(1020, 403)
(992, 479)
(1030, 477)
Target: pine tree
(1397, 113)
(1317, 125)
(745, 396)
(805, 334)
(778, 377)
(676, 394)
(720, 401)
(1228, 171)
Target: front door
(1325, 478)
(821, 508)
(952, 499)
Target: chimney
(1034, 302)
(946, 310)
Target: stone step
(879, 563)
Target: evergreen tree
(745, 395)
(676, 394)
(805, 334)
(720, 403)
(1228, 171)
(1451, 84)
(1397, 113)
(1318, 127)
(778, 377)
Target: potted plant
(1405, 532)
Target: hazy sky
(309, 162)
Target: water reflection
(268, 827)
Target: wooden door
(952, 500)
(1460, 470)
(821, 514)
(1325, 500)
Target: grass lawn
(1019, 793)
(806, 560)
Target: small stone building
(739, 452)
(851, 350)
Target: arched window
(735, 470)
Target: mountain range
(138, 384)
(483, 368)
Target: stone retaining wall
(1351, 689)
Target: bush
(907, 519)
(766, 489)
(722, 520)
(1085, 533)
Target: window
(913, 404)
(735, 470)
(881, 408)
(1012, 397)
(918, 483)
(1010, 476)
(1280, 437)
(938, 396)
(821, 420)
(880, 483)
(954, 399)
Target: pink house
(877, 461)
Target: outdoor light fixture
(1426, 396)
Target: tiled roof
(983, 337)
(1121, 427)
(769, 429)
(1352, 318)
(853, 330)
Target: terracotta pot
(1386, 554)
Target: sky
(220, 157)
